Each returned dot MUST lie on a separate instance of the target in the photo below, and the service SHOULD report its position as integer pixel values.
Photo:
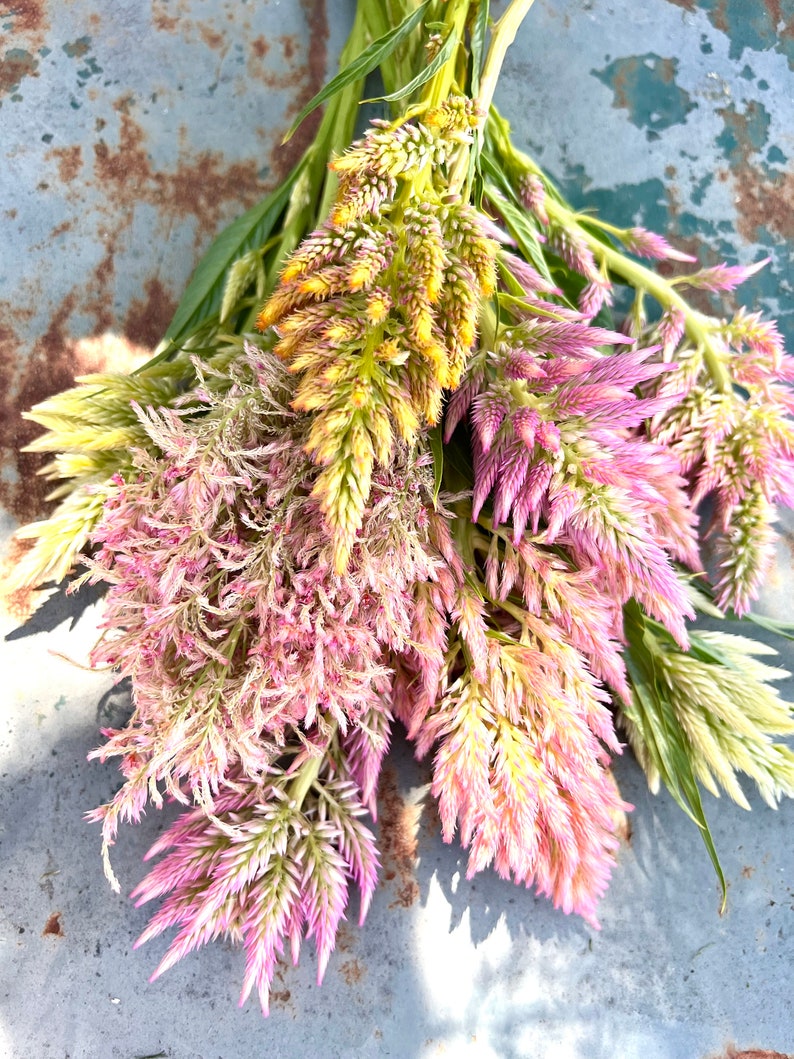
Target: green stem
(309, 771)
(502, 36)
(698, 327)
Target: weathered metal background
(129, 133)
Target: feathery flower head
(224, 607)
(376, 312)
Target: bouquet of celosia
(395, 458)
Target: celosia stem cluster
(441, 486)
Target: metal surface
(130, 132)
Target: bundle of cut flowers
(398, 458)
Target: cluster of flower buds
(376, 312)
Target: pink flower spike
(643, 243)
(723, 277)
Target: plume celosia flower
(735, 444)
(520, 770)
(553, 428)
(376, 312)
(271, 864)
(224, 606)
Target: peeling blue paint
(775, 156)
(744, 131)
(753, 25)
(698, 193)
(644, 85)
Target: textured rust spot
(352, 971)
(687, 5)
(148, 318)
(751, 1053)
(20, 604)
(31, 376)
(397, 839)
(764, 203)
(201, 186)
(260, 47)
(53, 926)
(309, 77)
(28, 15)
(15, 66)
(345, 939)
(748, 871)
(211, 37)
(70, 161)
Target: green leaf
(477, 45)
(437, 449)
(519, 227)
(657, 725)
(204, 292)
(781, 628)
(363, 64)
(432, 68)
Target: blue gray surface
(130, 132)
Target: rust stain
(201, 186)
(345, 939)
(260, 47)
(764, 203)
(69, 159)
(28, 15)
(352, 971)
(211, 37)
(687, 5)
(752, 1053)
(748, 871)
(308, 77)
(53, 926)
(147, 318)
(20, 604)
(51, 364)
(16, 65)
(398, 839)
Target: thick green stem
(503, 35)
(698, 327)
(309, 771)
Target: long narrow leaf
(477, 46)
(437, 449)
(363, 64)
(204, 292)
(432, 68)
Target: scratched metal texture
(130, 132)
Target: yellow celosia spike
(316, 284)
(404, 416)
(360, 395)
(294, 268)
(378, 306)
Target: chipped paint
(15, 66)
(645, 86)
(120, 190)
(757, 26)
